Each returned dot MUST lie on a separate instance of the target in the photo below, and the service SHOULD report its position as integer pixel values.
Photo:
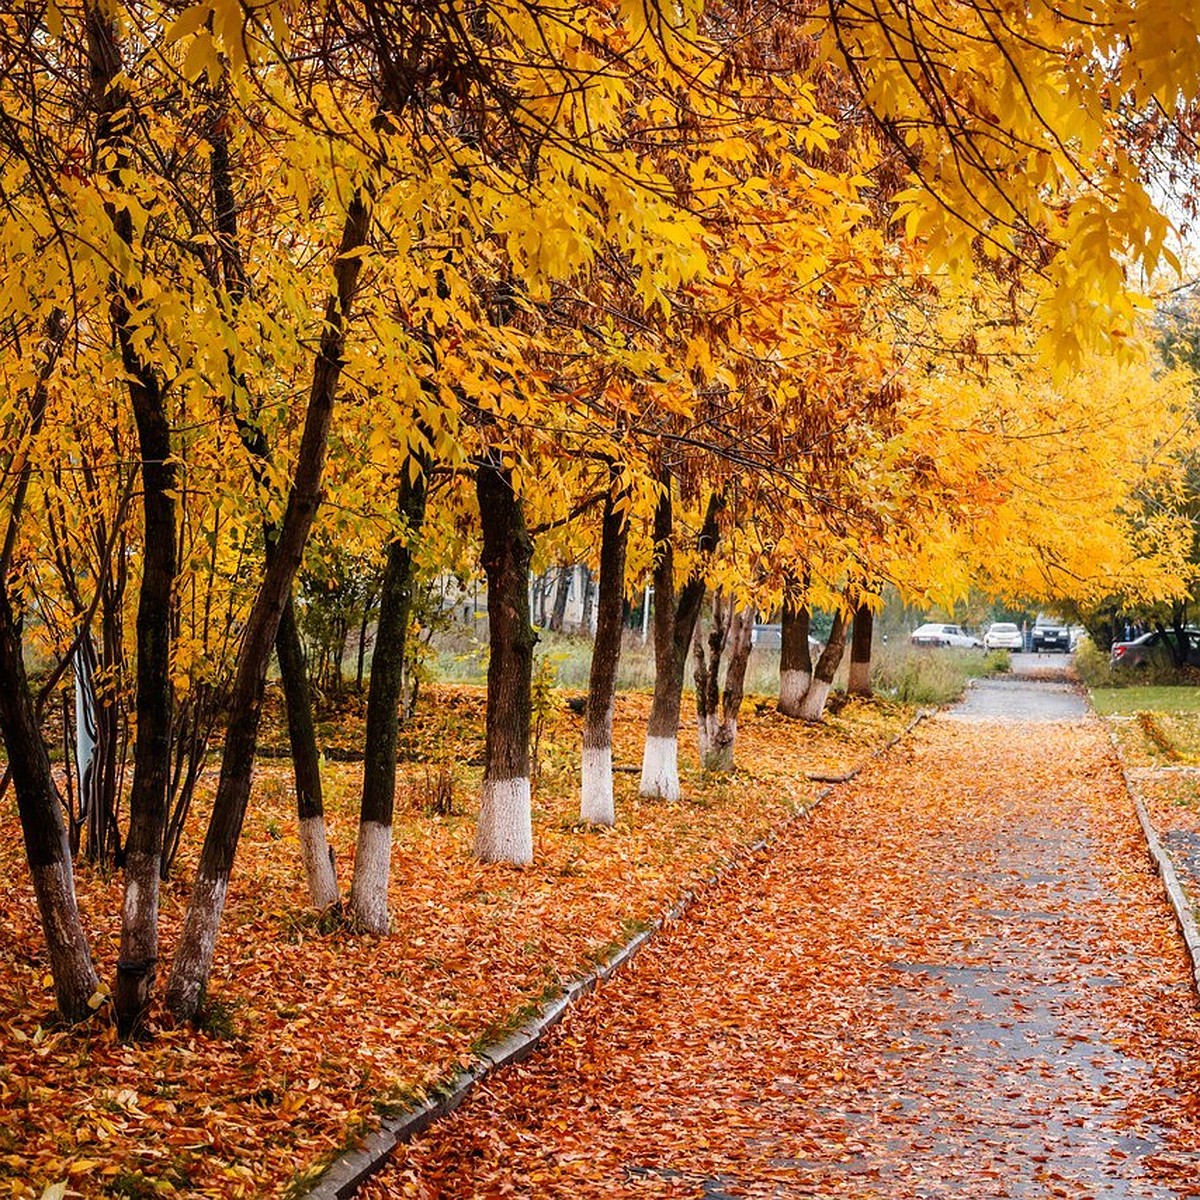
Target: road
(957, 979)
(1041, 687)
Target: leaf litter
(310, 1032)
(960, 978)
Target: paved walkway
(958, 979)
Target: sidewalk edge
(1185, 913)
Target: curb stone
(1185, 912)
(348, 1172)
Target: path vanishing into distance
(958, 978)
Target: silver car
(936, 634)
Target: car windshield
(1004, 627)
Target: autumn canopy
(768, 306)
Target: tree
(717, 709)
(860, 650)
(596, 802)
(675, 616)
(505, 832)
(372, 861)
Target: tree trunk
(717, 712)
(364, 624)
(138, 954)
(316, 853)
(813, 706)
(45, 834)
(596, 803)
(741, 632)
(372, 860)
(39, 807)
(707, 679)
(319, 868)
(585, 617)
(104, 832)
(860, 652)
(193, 960)
(505, 832)
(540, 584)
(562, 592)
(795, 657)
(674, 625)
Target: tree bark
(316, 854)
(795, 657)
(813, 706)
(741, 634)
(585, 616)
(193, 960)
(320, 872)
(717, 710)
(674, 625)
(45, 834)
(39, 806)
(562, 592)
(596, 804)
(707, 678)
(540, 583)
(860, 652)
(505, 832)
(372, 861)
(138, 954)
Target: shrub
(1094, 669)
(916, 676)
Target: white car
(934, 634)
(1003, 635)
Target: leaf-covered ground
(310, 1031)
(958, 979)
(1161, 751)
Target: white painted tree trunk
(318, 863)
(70, 956)
(860, 679)
(793, 686)
(372, 870)
(505, 832)
(197, 944)
(596, 800)
(813, 706)
(660, 768)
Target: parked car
(1003, 635)
(1152, 650)
(1049, 633)
(936, 634)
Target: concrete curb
(1185, 911)
(354, 1167)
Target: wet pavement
(1040, 688)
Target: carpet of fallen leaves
(958, 978)
(312, 1033)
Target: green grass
(1165, 698)
(930, 676)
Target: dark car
(1152, 649)
(1049, 634)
